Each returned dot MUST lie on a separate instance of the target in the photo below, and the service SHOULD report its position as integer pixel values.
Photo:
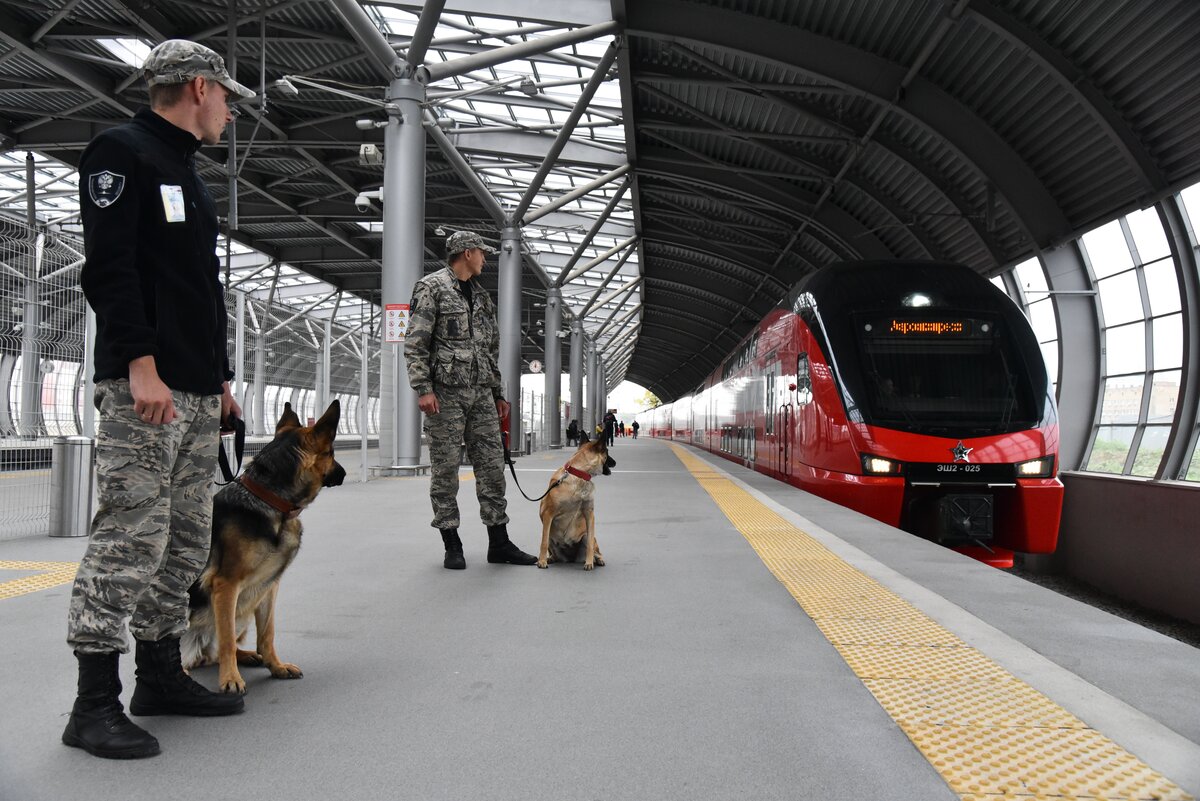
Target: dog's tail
(198, 645)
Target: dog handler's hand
(502, 408)
(428, 403)
(152, 401)
(229, 403)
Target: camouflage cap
(459, 241)
(178, 61)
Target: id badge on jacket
(173, 206)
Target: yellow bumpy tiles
(49, 574)
(989, 735)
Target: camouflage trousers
(466, 415)
(151, 533)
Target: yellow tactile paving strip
(989, 734)
(50, 574)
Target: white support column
(239, 349)
(553, 355)
(258, 425)
(509, 310)
(403, 265)
(577, 362)
(364, 401)
(326, 391)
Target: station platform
(745, 640)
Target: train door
(786, 427)
(770, 445)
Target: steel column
(553, 354)
(1079, 336)
(403, 260)
(577, 371)
(364, 400)
(258, 425)
(509, 311)
(239, 349)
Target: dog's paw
(286, 670)
(233, 684)
(249, 658)
(599, 560)
(589, 565)
(543, 563)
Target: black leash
(513, 469)
(238, 426)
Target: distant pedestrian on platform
(452, 347)
(635, 428)
(610, 427)
(573, 433)
(162, 386)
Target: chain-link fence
(286, 356)
(41, 351)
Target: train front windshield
(926, 373)
(926, 347)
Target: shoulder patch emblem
(105, 187)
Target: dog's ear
(287, 420)
(328, 424)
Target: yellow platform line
(987, 733)
(50, 574)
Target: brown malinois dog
(568, 516)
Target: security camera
(362, 203)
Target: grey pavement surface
(681, 670)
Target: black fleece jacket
(151, 272)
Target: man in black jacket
(162, 385)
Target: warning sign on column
(395, 322)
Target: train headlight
(878, 466)
(1036, 468)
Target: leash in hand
(238, 426)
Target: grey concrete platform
(681, 670)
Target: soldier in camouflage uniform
(162, 386)
(452, 347)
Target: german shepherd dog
(568, 516)
(255, 536)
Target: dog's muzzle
(609, 463)
(334, 477)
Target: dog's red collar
(285, 508)
(578, 473)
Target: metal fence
(41, 350)
(285, 356)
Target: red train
(913, 392)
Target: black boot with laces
(454, 553)
(98, 724)
(502, 551)
(164, 689)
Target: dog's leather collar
(288, 509)
(578, 473)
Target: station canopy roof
(745, 143)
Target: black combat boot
(98, 724)
(501, 550)
(164, 689)
(454, 554)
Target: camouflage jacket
(450, 343)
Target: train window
(962, 371)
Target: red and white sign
(395, 321)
